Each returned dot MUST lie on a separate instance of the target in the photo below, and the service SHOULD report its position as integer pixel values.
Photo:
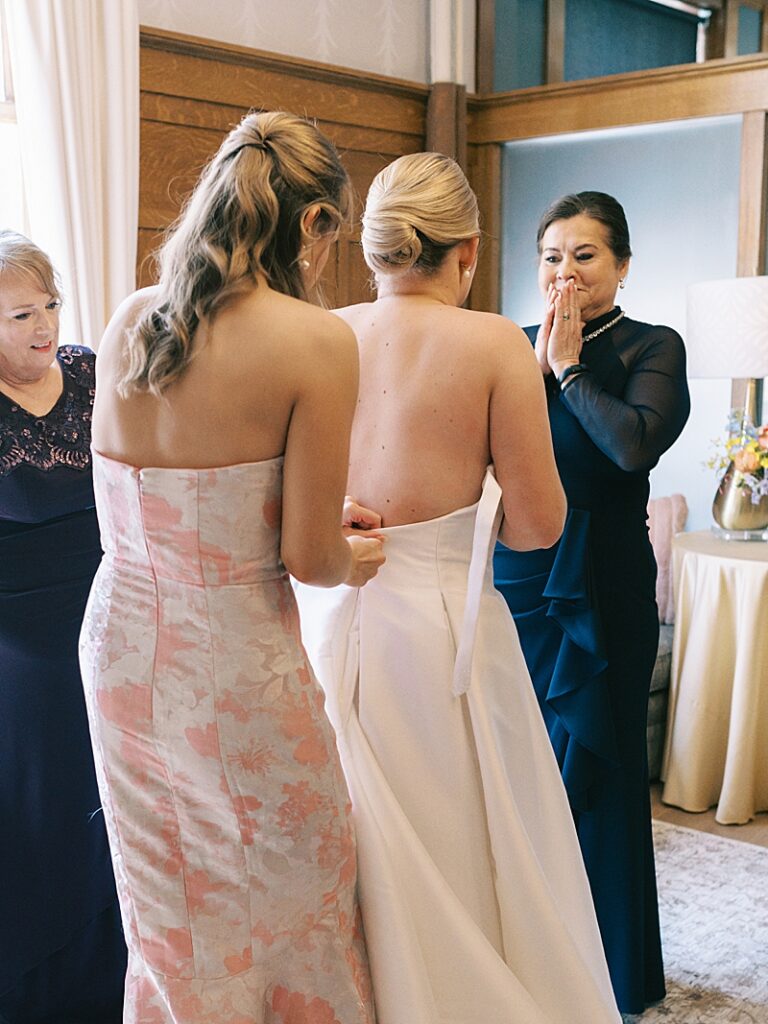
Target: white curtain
(75, 67)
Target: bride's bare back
(444, 391)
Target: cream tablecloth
(717, 729)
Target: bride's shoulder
(492, 328)
(352, 315)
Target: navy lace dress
(588, 623)
(62, 957)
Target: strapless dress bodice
(206, 527)
(429, 553)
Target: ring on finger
(566, 316)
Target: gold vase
(733, 508)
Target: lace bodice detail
(62, 437)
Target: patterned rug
(713, 895)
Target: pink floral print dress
(224, 801)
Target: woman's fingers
(367, 558)
(565, 337)
(357, 515)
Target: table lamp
(727, 337)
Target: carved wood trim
(643, 97)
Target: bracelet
(570, 371)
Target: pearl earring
(621, 282)
(304, 264)
(467, 272)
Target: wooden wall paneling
(714, 47)
(173, 154)
(171, 158)
(193, 91)
(485, 177)
(485, 45)
(148, 242)
(554, 66)
(354, 277)
(222, 117)
(352, 274)
(236, 76)
(661, 94)
(447, 121)
(752, 212)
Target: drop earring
(466, 272)
(622, 282)
(304, 264)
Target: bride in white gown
(475, 902)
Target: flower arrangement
(747, 448)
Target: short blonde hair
(418, 208)
(18, 255)
(243, 221)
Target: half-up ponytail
(242, 223)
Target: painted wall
(679, 185)
(387, 37)
(602, 37)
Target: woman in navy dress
(62, 956)
(585, 609)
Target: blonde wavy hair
(243, 222)
(418, 208)
(18, 255)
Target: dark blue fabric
(55, 871)
(588, 625)
(79, 984)
(565, 653)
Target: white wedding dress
(475, 902)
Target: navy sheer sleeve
(633, 420)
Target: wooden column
(731, 29)
(485, 178)
(750, 259)
(723, 31)
(485, 45)
(447, 121)
(554, 61)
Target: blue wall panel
(608, 37)
(520, 40)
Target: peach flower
(762, 437)
(746, 461)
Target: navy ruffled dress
(62, 955)
(586, 615)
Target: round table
(716, 750)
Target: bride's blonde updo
(418, 208)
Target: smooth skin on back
(443, 392)
(271, 376)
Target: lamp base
(722, 534)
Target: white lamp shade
(727, 328)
